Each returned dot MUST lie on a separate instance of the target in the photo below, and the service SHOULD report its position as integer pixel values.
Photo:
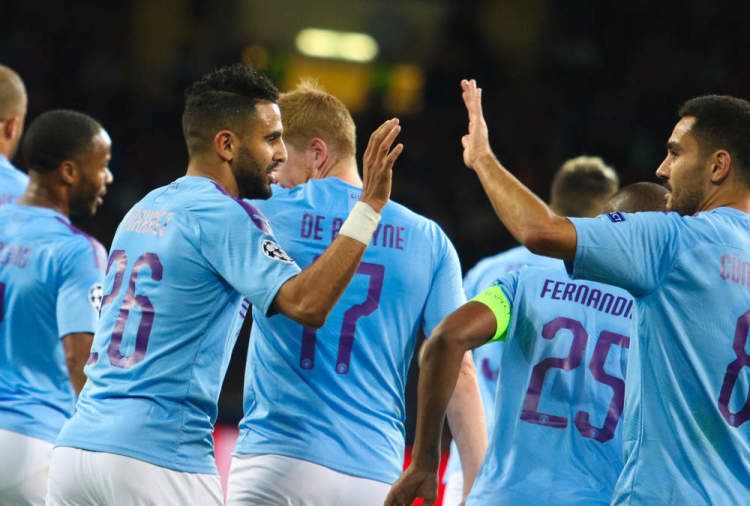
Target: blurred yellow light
(350, 46)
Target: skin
(309, 297)
(300, 165)
(13, 115)
(464, 410)
(77, 187)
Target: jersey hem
(129, 452)
(359, 473)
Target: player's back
(487, 358)
(39, 253)
(557, 436)
(162, 347)
(13, 182)
(335, 396)
(687, 440)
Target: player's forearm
(77, 377)
(526, 216)
(310, 296)
(77, 348)
(466, 419)
(439, 363)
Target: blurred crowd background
(560, 78)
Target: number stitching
(376, 273)
(604, 343)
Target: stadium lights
(351, 46)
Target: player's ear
(226, 145)
(11, 127)
(68, 171)
(721, 164)
(319, 152)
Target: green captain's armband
(494, 298)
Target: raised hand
(476, 143)
(411, 485)
(377, 166)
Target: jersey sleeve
(632, 251)
(446, 292)
(471, 280)
(79, 293)
(498, 298)
(237, 241)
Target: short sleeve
(237, 241)
(446, 291)
(79, 293)
(632, 251)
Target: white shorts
(261, 480)
(84, 478)
(24, 462)
(454, 489)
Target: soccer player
(181, 260)
(51, 277)
(579, 188)
(687, 439)
(12, 115)
(324, 409)
(561, 385)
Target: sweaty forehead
(268, 115)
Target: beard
(251, 177)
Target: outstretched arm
(524, 214)
(469, 326)
(309, 297)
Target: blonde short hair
(582, 185)
(308, 112)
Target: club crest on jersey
(276, 252)
(616, 217)
(96, 293)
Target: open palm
(476, 143)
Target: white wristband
(361, 223)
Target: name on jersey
(320, 228)
(735, 269)
(14, 255)
(583, 294)
(146, 221)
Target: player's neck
(346, 170)
(39, 194)
(735, 196)
(219, 174)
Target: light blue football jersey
(13, 182)
(51, 277)
(335, 396)
(557, 437)
(686, 430)
(487, 357)
(181, 260)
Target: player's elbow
(308, 314)
(553, 237)
(445, 339)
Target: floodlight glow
(351, 46)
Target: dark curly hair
(722, 122)
(56, 136)
(223, 99)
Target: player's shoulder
(10, 172)
(204, 200)
(427, 227)
(76, 243)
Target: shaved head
(638, 197)
(12, 94)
